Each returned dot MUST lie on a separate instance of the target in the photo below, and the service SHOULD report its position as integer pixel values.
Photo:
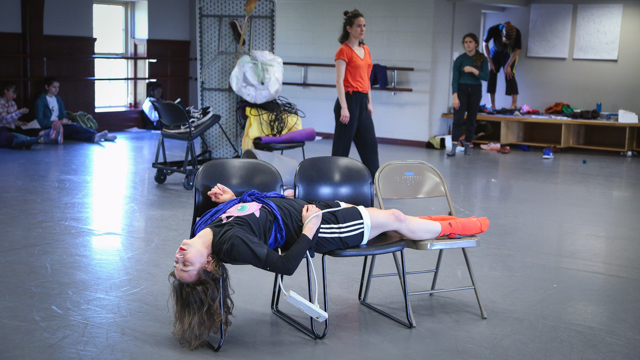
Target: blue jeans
(73, 131)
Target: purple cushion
(308, 134)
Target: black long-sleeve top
(241, 235)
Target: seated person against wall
(249, 229)
(154, 93)
(11, 133)
(51, 114)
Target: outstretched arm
(221, 194)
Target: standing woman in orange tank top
(353, 109)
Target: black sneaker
(237, 31)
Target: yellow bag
(258, 125)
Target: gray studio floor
(88, 239)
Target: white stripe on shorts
(350, 228)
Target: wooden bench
(562, 133)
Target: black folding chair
(339, 178)
(271, 147)
(178, 127)
(241, 175)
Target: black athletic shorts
(343, 228)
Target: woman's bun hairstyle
(349, 19)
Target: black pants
(6, 137)
(499, 60)
(359, 129)
(469, 96)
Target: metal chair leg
(363, 301)
(228, 139)
(403, 283)
(437, 271)
(158, 151)
(216, 348)
(483, 314)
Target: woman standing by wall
(353, 109)
(468, 71)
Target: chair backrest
(331, 178)
(170, 113)
(239, 175)
(410, 179)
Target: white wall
(169, 20)
(141, 20)
(398, 34)
(10, 20)
(68, 17)
(581, 83)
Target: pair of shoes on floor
(237, 31)
(547, 153)
(197, 116)
(104, 136)
(490, 146)
(504, 150)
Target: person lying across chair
(247, 230)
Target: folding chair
(174, 116)
(271, 147)
(329, 178)
(241, 175)
(402, 181)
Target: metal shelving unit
(217, 51)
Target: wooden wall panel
(175, 64)
(69, 58)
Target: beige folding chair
(401, 182)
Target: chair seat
(443, 243)
(278, 146)
(198, 130)
(381, 244)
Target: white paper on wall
(598, 32)
(550, 30)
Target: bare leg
(493, 100)
(409, 226)
(514, 102)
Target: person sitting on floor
(154, 93)
(11, 133)
(51, 114)
(247, 230)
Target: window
(111, 30)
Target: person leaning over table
(507, 42)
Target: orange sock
(438, 217)
(469, 226)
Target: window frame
(127, 48)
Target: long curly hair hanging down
(196, 306)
